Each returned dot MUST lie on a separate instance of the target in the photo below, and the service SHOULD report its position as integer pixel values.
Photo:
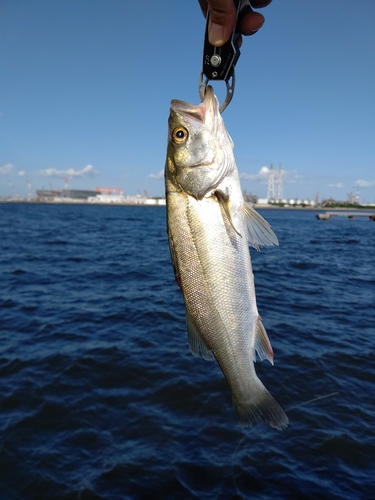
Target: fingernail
(216, 34)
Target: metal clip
(219, 62)
(230, 82)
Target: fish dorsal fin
(259, 232)
(262, 343)
(196, 344)
(225, 203)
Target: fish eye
(180, 135)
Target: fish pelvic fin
(197, 346)
(259, 232)
(261, 407)
(262, 343)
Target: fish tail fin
(261, 406)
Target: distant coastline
(160, 202)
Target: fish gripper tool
(219, 62)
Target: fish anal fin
(262, 343)
(196, 344)
(259, 232)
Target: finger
(250, 22)
(222, 21)
(258, 4)
(203, 4)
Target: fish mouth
(196, 112)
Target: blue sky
(86, 85)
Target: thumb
(222, 21)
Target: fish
(210, 228)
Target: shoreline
(255, 206)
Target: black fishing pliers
(219, 62)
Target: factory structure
(108, 195)
(275, 189)
(100, 195)
(275, 192)
(115, 195)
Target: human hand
(223, 19)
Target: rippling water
(100, 397)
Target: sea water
(100, 397)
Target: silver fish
(210, 228)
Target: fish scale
(234, 313)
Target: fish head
(199, 147)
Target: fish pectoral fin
(225, 204)
(196, 344)
(259, 232)
(262, 343)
